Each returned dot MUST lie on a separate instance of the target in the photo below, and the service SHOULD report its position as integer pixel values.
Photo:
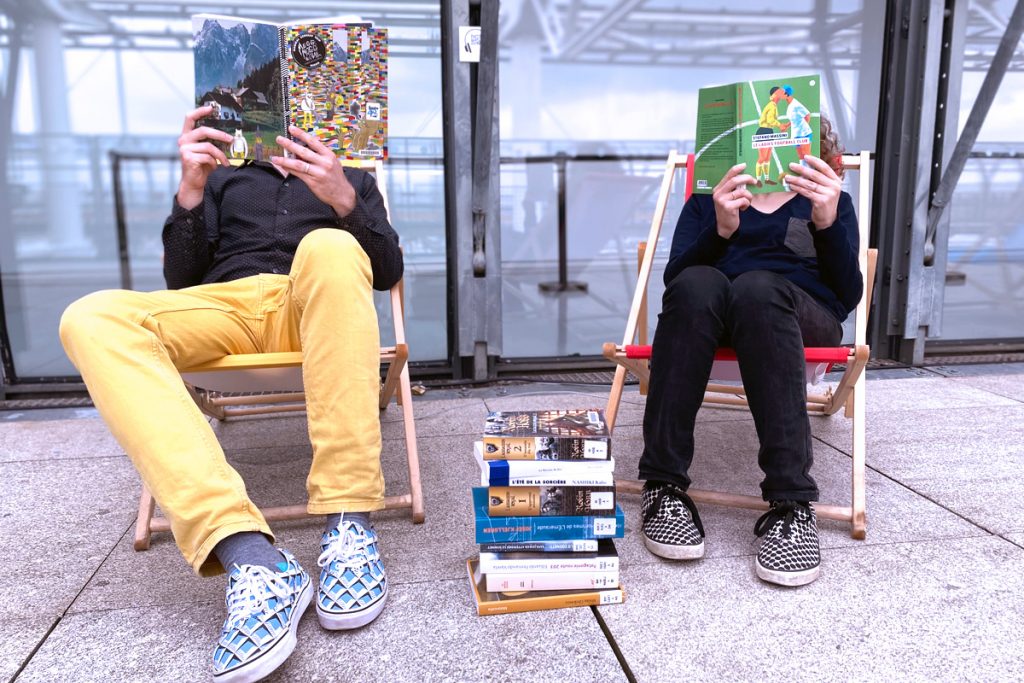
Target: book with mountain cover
(547, 435)
(491, 602)
(503, 529)
(327, 78)
(765, 124)
(606, 559)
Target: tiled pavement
(935, 592)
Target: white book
(605, 560)
(501, 582)
(544, 472)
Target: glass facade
(984, 296)
(123, 87)
(619, 81)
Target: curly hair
(832, 149)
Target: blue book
(516, 529)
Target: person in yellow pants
(270, 256)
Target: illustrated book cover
(490, 602)
(765, 124)
(328, 79)
(547, 435)
(504, 529)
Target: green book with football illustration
(327, 78)
(765, 124)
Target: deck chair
(272, 383)
(633, 355)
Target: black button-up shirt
(252, 218)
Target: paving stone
(964, 459)
(60, 520)
(938, 610)
(429, 631)
(20, 637)
(1010, 385)
(927, 393)
(25, 440)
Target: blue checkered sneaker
(790, 554)
(264, 608)
(353, 585)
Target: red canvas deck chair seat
(274, 384)
(634, 353)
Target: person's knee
(696, 284)
(756, 288)
(332, 251)
(85, 314)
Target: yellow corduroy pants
(128, 347)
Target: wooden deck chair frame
(281, 373)
(848, 394)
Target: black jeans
(767, 320)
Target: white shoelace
(251, 592)
(347, 548)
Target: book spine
(599, 481)
(597, 598)
(490, 564)
(285, 82)
(550, 501)
(515, 529)
(549, 582)
(532, 448)
(569, 546)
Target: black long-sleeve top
(252, 218)
(824, 263)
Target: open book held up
(328, 79)
(766, 124)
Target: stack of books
(545, 513)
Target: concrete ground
(935, 592)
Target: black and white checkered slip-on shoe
(671, 527)
(789, 554)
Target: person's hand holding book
(732, 196)
(199, 156)
(820, 184)
(318, 167)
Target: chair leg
(411, 449)
(143, 533)
(611, 411)
(859, 516)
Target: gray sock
(248, 547)
(361, 518)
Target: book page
(337, 87)
(238, 73)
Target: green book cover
(765, 124)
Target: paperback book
(548, 501)
(547, 435)
(494, 602)
(260, 77)
(765, 124)
(606, 559)
(544, 472)
(503, 529)
(540, 581)
(568, 546)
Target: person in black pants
(767, 275)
